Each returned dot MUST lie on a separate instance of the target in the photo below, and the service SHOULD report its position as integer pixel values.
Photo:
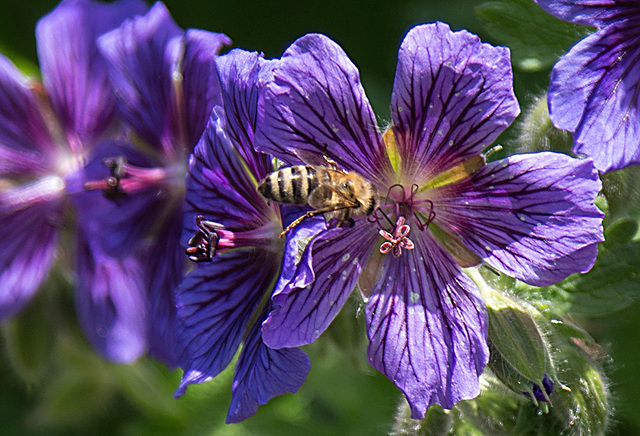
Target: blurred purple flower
(166, 85)
(223, 303)
(595, 87)
(47, 132)
(441, 206)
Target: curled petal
(315, 104)
(73, 72)
(111, 303)
(452, 97)
(300, 315)
(595, 93)
(297, 268)
(427, 327)
(531, 216)
(263, 373)
(214, 304)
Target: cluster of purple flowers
(135, 104)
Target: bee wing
(327, 196)
(316, 159)
(310, 158)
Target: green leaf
(612, 284)
(536, 38)
(621, 231)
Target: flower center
(401, 206)
(126, 178)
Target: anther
(203, 245)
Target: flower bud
(518, 350)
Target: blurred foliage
(536, 39)
(53, 383)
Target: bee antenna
(387, 218)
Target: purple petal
(263, 373)
(219, 185)
(141, 55)
(300, 315)
(214, 304)
(589, 12)
(240, 73)
(595, 92)
(111, 303)
(165, 268)
(27, 248)
(453, 96)
(427, 327)
(74, 75)
(24, 137)
(201, 83)
(531, 216)
(316, 104)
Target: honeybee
(327, 189)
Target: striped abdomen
(292, 185)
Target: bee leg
(345, 218)
(314, 213)
(330, 162)
(298, 221)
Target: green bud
(537, 132)
(518, 353)
(582, 405)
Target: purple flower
(166, 85)
(223, 302)
(595, 87)
(47, 131)
(441, 207)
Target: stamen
(204, 244)
(213, 237)
(126, 178)
(399, 240)
(421, 221)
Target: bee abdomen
(290, 185)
